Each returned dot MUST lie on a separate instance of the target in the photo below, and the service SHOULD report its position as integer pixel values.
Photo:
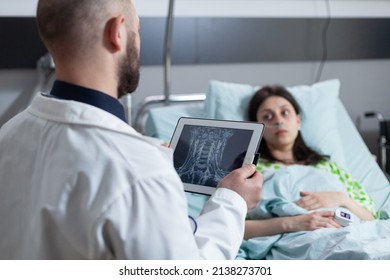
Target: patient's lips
(281, 132)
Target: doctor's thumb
(248, 170)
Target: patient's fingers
(311, 206)
(314, 220)
(334, 224)
(327, 219)
(316, 200)
(330, 223)
(304, 193)
(308, 202)
(328, 214)
(305, 197)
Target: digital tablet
(207, 150)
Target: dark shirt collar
(67, 91)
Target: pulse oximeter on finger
(343, 217)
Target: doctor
(77, 182)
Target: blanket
(361, 240)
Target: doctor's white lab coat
(78, 183)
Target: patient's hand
(247, 182)
(317, 200)
(305, 222)
(312, 221)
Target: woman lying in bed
(283, 146)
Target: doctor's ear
(116, 33)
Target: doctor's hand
(247, 182)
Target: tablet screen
(206, 150)
(205, 154)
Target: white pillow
(318, 104)
(228, 101)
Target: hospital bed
(326, 126)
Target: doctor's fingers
(245, 171)
(240, 176)
(248, 188)
(251, 193)
(253, 187)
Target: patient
(282, 146)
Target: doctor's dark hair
(301, 151)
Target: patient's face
(282, 122)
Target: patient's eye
(285, 112)
(267, 117)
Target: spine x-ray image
(204, 155)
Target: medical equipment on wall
(383, 140)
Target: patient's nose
(278, 119)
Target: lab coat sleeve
(150, 221)
(222, 219)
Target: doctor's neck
(94, 74)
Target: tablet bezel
(250, 156)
